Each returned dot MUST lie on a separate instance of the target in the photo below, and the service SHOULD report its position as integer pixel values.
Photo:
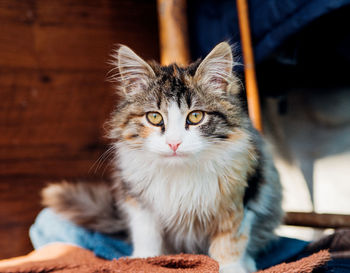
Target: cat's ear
(215, 71)
(134, 72)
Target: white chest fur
(170, 189)
(183, 197)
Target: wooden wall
(54, 97)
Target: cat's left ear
(215, 71)
(134, 72)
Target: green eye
(195, 117)
(155, 118)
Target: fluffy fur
(218, 193)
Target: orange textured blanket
(66, 258)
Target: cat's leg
(229, 244)
(245, 229)
(145, 231)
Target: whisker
(107, 165)
(102, 158)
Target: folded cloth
(279, 251)
(60, 257)
(63, 258)
(50, 227)
(338, 244)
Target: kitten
(193, 174)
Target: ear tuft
(215, 71)
(134, 72)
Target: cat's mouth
(175, 155)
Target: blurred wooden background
(54, 97)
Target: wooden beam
(311, 219)
(173, 33)
(54, 99)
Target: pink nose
(174, 145)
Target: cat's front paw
(237, 267)
(250, 264)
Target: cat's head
(174, 113)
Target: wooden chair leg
(173, 33)
(249, 68)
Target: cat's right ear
(134, 72)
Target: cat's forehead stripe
(159, 101)
(173, 85)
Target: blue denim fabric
(271, 21)
(279, 251)
(50, 227)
